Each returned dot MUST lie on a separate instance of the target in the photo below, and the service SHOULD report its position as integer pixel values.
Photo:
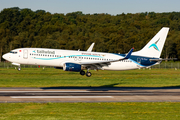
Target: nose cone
(5, 56)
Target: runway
(90, 94)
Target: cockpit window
(13, 52)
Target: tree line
(20, 28)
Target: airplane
(78, 61)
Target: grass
(50, 77)
(90, 111)
(37, 77)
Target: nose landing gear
(19, 68)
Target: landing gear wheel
(19, 69)
(88, 74)
(82, 72)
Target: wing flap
(100, 64)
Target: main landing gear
(88, 74)
(82, 72)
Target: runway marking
(40, 91)
(62, 97)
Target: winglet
(91, 47)
(129, 54)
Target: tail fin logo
(154, 45)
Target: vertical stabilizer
(155, 45)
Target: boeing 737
(78, 61)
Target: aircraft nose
(5, 56)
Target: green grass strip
(50, 77)
(90, 111)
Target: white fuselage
(57, 58)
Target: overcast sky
(112, 7)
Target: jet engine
(72, 67)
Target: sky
(112, 7)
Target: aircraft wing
(100, 64)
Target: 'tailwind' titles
(46, 52)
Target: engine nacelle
(71, 67)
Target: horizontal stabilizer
(162, 59)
